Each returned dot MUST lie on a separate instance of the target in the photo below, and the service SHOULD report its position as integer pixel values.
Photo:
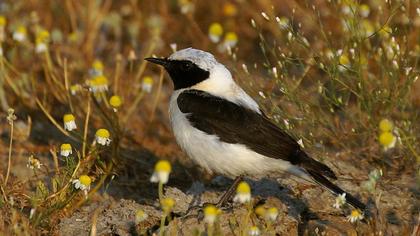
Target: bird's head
(189, 67)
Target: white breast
(219, 157)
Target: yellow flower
(83, 183)
(385, 31)
(186, 6)
(355, 216)
(272, 213)
(115, 101)
(65, 149)
(75, 89)
(364, 10)
(167, 204)
(210, 214)
(254, 231)
(98, 65)
(243, 193)
(215, 32)
(41, 40)
(20, 34)
(385, 125)
(102, 137)
(141, 216)
(387, 140)
(3, 21)
(344, 60)
(260, 211)
(147, 84)
(98, 83)
(229, 9)
(367, 28)
(69, 122)
(162, 170)
(231, 39)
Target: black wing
(233, 123)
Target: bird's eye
(187, 65)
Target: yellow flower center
(216, 29)
(260, 211)
(65, 147)
(386, 139)
(167, 204)
(272, 211)
(344, 60)
(21, 29)
(147, 80)
(68, 118)
(163, 166)
(3, 21)
(115, 101)
(85, 180)
(385, 125)
(355, 213)
(231, 37)
(99, 81)
(97, 65)
(43, 36)
(243, 188)
(102, 133)
(211, 210)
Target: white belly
(222, 158)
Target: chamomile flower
(102, 137)
(340, 200)
(254, 231)
(230, 40)
(186, 6)
(272, 213)
(82, 183)
(97, 68)
(364, 10)
(260, 211)
(41, 41)
(386, 125)
(387, 140)
(367, 28)
(3, 21)
(210, 214)
(243, 193)
(33, 163)
(69, 122)
(167, 204)
(98, 83)
(355, 216)
(215, 32)
(147, 84)
(344, 60)
(115, 102)
(141, 216)
(162, 170)
(74, 89)
(65, 149)
(19, 34)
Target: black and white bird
(223, 129)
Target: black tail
(336, 190)
(310, 164)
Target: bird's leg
(228, 194)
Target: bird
(223, 129)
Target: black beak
(160, 61)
